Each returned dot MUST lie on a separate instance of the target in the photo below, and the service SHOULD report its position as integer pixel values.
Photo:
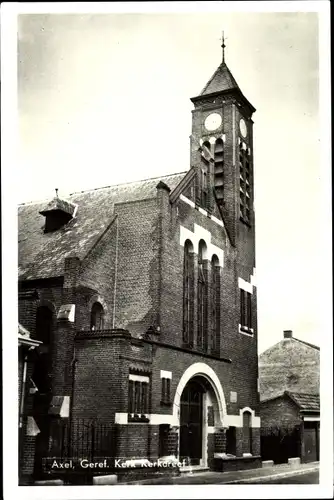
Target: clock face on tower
(213, 121)
(243, 127)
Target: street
(307, 478)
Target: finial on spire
(223, 47)
(56, 192)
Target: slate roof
(221, 80)
(41, 255)
(306, 402)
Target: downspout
(23, 390)
(73, 364)
(116, 268)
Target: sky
(105, 98)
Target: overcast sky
(104, 99)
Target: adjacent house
(144, 297)
(289, 375)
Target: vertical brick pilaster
(220, 441)
(256, 449)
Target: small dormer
(57, 213)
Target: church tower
(222, 151)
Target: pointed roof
(221, 80)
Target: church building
(143, 299)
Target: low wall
(237, 463)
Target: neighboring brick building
(289, 375)
(28, 429)
(147, 300)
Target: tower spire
(223, 47)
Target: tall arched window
(97, 317)
(215, 304)
(202, 298)
(219, 169)
(188, 294)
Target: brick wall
(101, 376)
(138, 266)
(279, 412)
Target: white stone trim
(67, 312)
(217, 221)
(253, 277)
(211, 429)
(201, 234)
(237, 420)
(165, 374)
(207, 372)
(154, 419)
(32, 427)
(202, 211)
(249, 333)
(186, 234)
(65, 407)
(139, 378)
(311, 419)
(121, 418)
(186, 200)
(244, 285)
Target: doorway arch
(199, 388)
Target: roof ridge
(35, 202)
(127, 183)
(307, 343)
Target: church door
(191, 418)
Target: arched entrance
(199, 406)
(191, 422)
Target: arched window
(97, 317)
(43, 365)
(247, 432)
(188, 294)
(202, 298)
(219, 169)
(215, 304)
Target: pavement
(261, 475)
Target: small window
(138, 397)
(246, 311)
(165, 391)
(97, 317)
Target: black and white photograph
(167, 250)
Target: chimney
(287, 334)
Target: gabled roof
(307, 343)
(41, 255)
(270, 349)
(221, 80)
(305, 402)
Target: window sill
(246, 331)
(138, 418)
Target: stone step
(192, 469)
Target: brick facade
(133, 266)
